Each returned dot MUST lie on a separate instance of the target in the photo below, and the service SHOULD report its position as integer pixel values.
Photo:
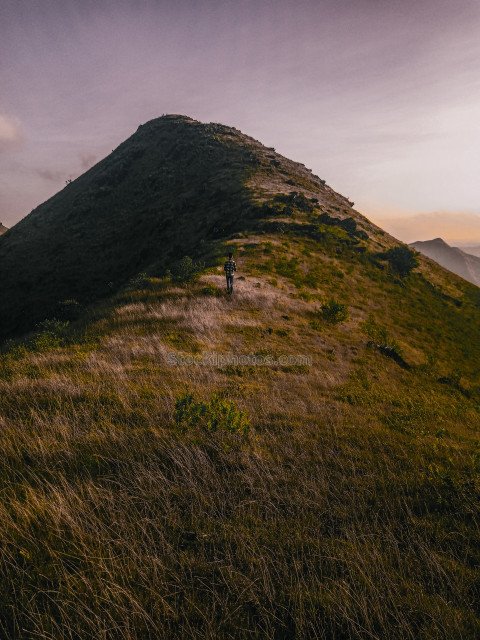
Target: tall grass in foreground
(116, 525)
(135, 503)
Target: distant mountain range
(466, 265)
(473, 250)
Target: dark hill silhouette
(175, 187)
(452, 258)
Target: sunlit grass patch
(216, 414)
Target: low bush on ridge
(381, 340)
(216, 414)
(50, 334)
(402, 260)
(185, 270)
(334, 312)
(331, 312)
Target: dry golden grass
(348, 511)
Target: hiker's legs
(229, 284)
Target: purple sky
(381, 98)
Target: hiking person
(230, 267)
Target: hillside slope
(460, 262)
(298, 460)
(171, 189)
(472, 250)
(3, 229)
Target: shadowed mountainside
(3, 229)
(465, 265)
(173, 188)
(299, 460)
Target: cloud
(11, 135)
(50, 176)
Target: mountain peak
(452, 258)
(435, 241)
(169, 117)
(175, 187)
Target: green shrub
(289, 268)
(138, 281)
(218, 414)
(11, 353)
(211, 290)
(68, 310)
(54, 326)
(185, 270)
(349, 225)
(381, 340)
(402, 260)
(330, 233)
(378, 334)
(334, 312)
(305, 295)
(50, 334)
(267, 209)
(293, 200)
(14, 349)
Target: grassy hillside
(164, 191)
(175, 187)
(298, 460)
